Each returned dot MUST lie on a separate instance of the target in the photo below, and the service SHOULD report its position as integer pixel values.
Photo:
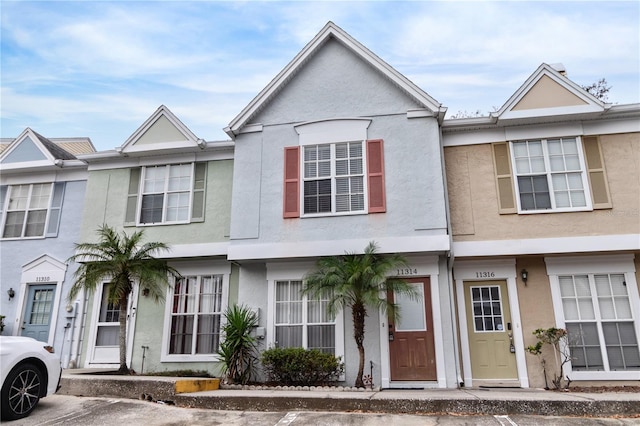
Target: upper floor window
(550, 175)
(337, 178)
(30, 210)
(333, 178)
(172, 193)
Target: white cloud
(99, 69)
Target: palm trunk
(358, 314)
(124, 302)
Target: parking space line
(510, 422)
(288, 419)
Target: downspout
(450, 261)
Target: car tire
(21, 391)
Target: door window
(412, 313)
(108, 321)
(487, 308)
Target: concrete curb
(432, 401)
(412, 406)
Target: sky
(99, 69)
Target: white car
(30, 371)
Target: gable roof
(547, 92)
(331, 31)
(31, 149)
(161, 131)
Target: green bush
(301, 367)
(238, 350)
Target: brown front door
(411, 345)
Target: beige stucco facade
(474, 200)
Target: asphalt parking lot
(89, 411)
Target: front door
(493, 360)
(37, 316)
(106, 340)
(411, 343)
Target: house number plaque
(403, 272)
(485, 274)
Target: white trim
(490, 132)
(550, 112)
(41, 271)
(189, 138)
(600, 264)
(166, 192)
(591, 102)
(109, 162)
(197, 268)
(36, 141)
(241, 250)
(183, 158)
(333, 131)
(333, 176)
(93, 328)
(549, 131)
(499, 270)
(560, 245)
(424, 267)
(251, 128)
(548, 174)
(194, 250)
(420, 113)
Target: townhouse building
(337, 151)
(175, 187)
(545, 213)
(528, 218)
(42, 190)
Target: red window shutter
(375, 176)
(292, 182)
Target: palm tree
(124, 261)
(358, 281)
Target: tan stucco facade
(474, 201)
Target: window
(550, 175)
(487, 308)
(171, 193)
(598, 317)
(108, 321)
(333, 178)
(27, 209)
(302, 322)
(595, 298)
(195, 315)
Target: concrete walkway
(431, 401)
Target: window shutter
(292, 182)
(55, 210)
(375, 176)
(3, 195)
(199, 185)
(597, 175)
(504, 179)
(132, 197)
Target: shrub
(301, 367)
(238, 349)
